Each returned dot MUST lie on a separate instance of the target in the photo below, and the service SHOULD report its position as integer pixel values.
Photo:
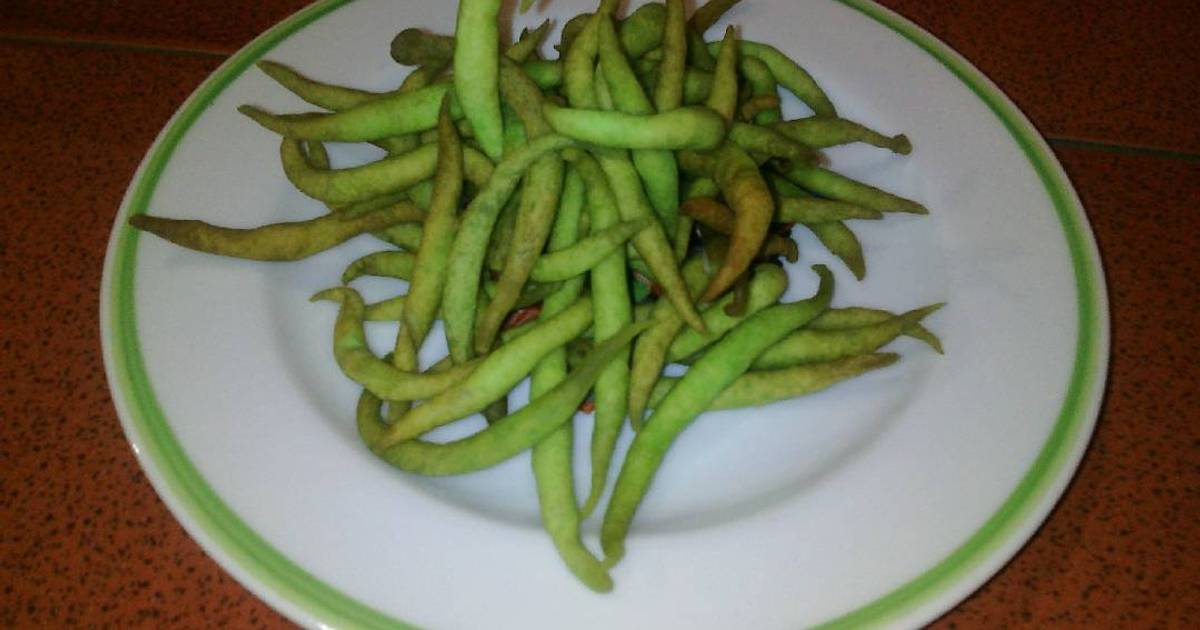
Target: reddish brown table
(86, 85)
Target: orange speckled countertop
(86, 84)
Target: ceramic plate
(884, 500)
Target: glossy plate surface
(885, 500)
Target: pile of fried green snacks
(582, 222)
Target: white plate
(885, 500)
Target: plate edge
(922, 598)
(930, 594)
(255, 564)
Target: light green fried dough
(405, 236)
(373, 204)
(477, 71)
(762, 387)
(723, 97)
(612, 310)
(586, 254)
(387, 264)
(813, 345)
(762, 84)
(316, 154)
(338, 98)
(696, 86)
(642, 31)
(767, 142)
(504, 439)
(571, 31)
(697, 128)
(553, 367)
(547, 74)
(389, 310)
(650, 350)
(651, 243)
(581, 222)
(350, 185)
(380, 377)
(535, 217)
(527, 44)
(827, 183)
(747, 193)
(656, 167)
(560, 515)
(707, 14)
(563, 236)
(417, 47)
(496, 374)
(766, 285)
(701, 187)
(728, 359)
(790, 75)
(393, 114)
(682, 239)
(535, 213)
(551, 458)
(820, 132)
(856, 316)
(841, 242)
(275, 242)
(422, 193)
(324, 95)
(437, 236)
(470, 244)
(698, 51)
(501, 240)
(477, 168)
(815, 210)
(757, 104)
(579, 65)
(668, 86)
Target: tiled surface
(85, 542)
(83, 538)
(1119, 550)
(191, 24)
(1088, 69)
(1084, 69)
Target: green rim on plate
(280, 580)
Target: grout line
(54, 40)
(1124, 149)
